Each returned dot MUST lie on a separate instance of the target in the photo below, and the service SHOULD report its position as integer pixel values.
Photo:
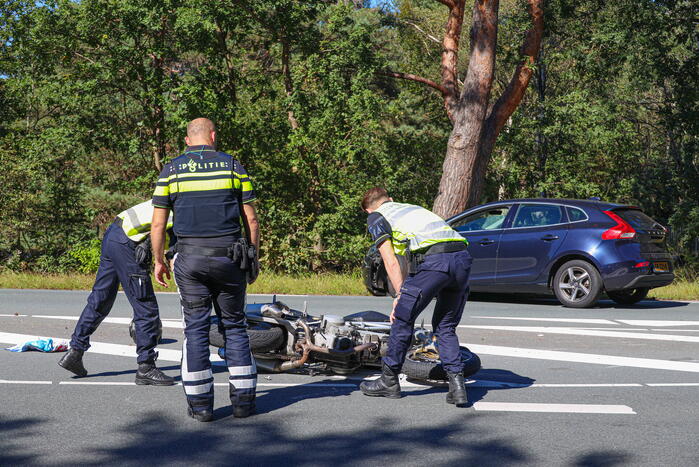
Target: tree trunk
(461, 162)
(475, 131)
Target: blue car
(575, 249)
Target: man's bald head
(201, 131)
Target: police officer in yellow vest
(440, 268)
(125, 259)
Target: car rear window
(537, 215)
(575, 214)
(637, 219)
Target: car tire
(433, 370)
(577, 284)
(628, 296)
(264, 337)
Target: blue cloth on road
(118, 266)
(42, 345)
(442, 275)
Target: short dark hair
(373, 196)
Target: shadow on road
(12, 437)
(156, 439)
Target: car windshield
(637, 219)
(488, 219)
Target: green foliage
(95, 96)
(85, 256)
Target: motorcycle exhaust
(280, 366)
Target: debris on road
(42, 345)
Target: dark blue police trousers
(204, 281)
(118, 265)
(442, 275)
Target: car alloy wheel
(575, 284)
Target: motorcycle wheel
(433, 369)
(263, 336)
(132, 331)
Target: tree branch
(427, 34)
(419, 79)
(513, 93)
(449, 3)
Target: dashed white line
(554, 408)
(354, 382)
(657, 323)
(556, 320)
(585, 332)
(7, 381)
(672, 384)
(609, 360)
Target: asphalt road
(605, 386)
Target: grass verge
(270, 283)
(678, 290)
(266, 283)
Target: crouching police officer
(209, 192)
(440, 266)
(125, 258)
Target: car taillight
(642, 264)
(621, 230)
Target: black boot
(73, 362)
(148, 373)
(242, 411)
(205, 415)
(385, 386)
(457, 390)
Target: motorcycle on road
(283, 339)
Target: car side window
(575, 214)
(537, 215)
(488, 219)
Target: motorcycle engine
(334, 333)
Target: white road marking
(7, 381)
(11, 315)
(585, 332)
(672, 384)
(557, 408)
(557, 320)
(354, 382)
(657, 323)
(98, 383)
(106, 348)
(609, 360)
(167, 323)
(588, 385)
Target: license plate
(661, 266)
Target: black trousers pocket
(141, 287)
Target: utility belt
(416, 259)
(142, 249)
(241, 253)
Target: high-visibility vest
(136, 221)
(416, 227)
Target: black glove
(144, 253)
(254, 264)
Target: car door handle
(486, 241)
(549, 238)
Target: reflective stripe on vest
(416, 226)
(136, 221)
